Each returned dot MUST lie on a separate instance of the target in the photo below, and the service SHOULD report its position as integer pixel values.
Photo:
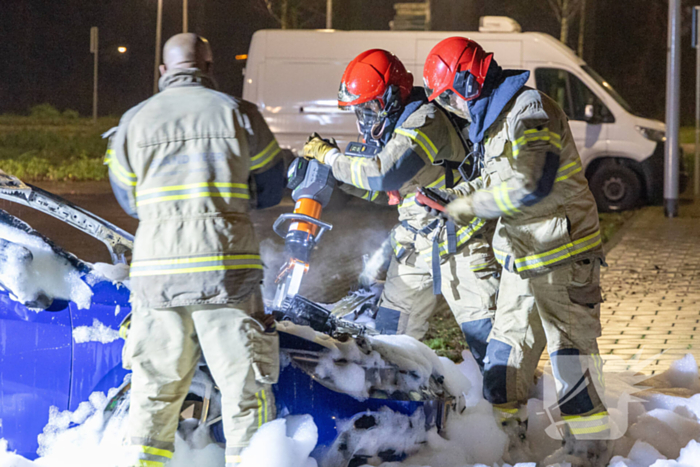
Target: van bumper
(653, 172)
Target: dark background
(45, 57)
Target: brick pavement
(652, 288)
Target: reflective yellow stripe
(498, 197)
(266, 161)
(190, 186)
(536, 135)
(156, 452)
(584, 418)
(145, 463)
(509, 411)
(564, 177)
(432, 146)
(234, 459)
(273, 146)
(198, 259)
(374, 195)
(478, 267)
(222, 267)
(123, 175)
(356, 171)
(203, 194)
(264, 397)
(506, 197)
(260, 403)
(413, 135)
(589, 430)
(566, 251)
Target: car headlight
(651, 134)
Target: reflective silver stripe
(532, 135)
(264, 157)
(569, 170)
(422, 140)
(185, 265)
(587, 424)
(559, 254)
(192, 191)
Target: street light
(159, 27)
(121, 49)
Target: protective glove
(461, 210)
(318, 148)
(447, 194)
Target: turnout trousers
(163, 349)
(564, 305)
(408, 300)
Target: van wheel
(615, 187)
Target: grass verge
(54, 148)
(446, 338)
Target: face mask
(454, 104)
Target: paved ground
(652, 288)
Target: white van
(293, 76)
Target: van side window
(570, 93)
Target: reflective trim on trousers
(594, 426)
(151, 456)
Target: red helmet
(369, 76)
(374, 85)
(455, 65)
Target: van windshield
(608, 88)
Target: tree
(296, 14)
(565, 11)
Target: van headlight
(651, 134)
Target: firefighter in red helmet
(547, 239)
(409, 143)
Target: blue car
(57, 350)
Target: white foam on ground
(98, 332)
(664, 429)
(46, 274)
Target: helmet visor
(466, 85)
(454, 103)
(368, 113)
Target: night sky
(45, 53)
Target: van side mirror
(592, 114)
(589, 112)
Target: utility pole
(184, 16)
(582, 29)
(159, 27)
(696, 44)
(673, 88)
(329, 14)
(94, 48)
(564, 33)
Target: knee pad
(577, 377)
(387, 321)
(496, 372)
(476, 334)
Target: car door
(590, 133)
(35, 369)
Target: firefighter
(409, 143)
(547, 238)
(187, 162)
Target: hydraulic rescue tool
(312, 185)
